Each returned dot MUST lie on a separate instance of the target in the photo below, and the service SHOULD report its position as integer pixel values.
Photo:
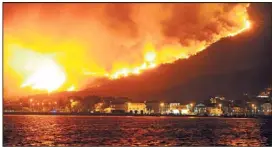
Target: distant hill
(228, 67)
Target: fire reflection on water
(93, 130)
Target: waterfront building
(164, 108)
(152, 107)
(266, 109)
(12, 107)
(184, 109)
(217, 99)
(119, 106)
(99, 107)
(200, 109)
(266, 93)
(237, 111)
(174, 108)
(136, 108)
(214, 109)
(107, 110)
(226, 110)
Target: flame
(72, 88)
(48, 76)
(150, 57)
(41, 71)
(247, 25)
(51, 78)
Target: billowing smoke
(88, 39)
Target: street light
(31, 105)
(162, 104)
(161, 109)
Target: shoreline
(125, 114)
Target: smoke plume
(89, 40)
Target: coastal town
(259, 105)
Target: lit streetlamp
(254, 108)
(30, 104)
(161, 105)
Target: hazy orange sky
(86, 40)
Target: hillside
(229, 67)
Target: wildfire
(48, 77)
(148, 64)
(83, 52)
(150, 58)
(247, 25)
(72, 88)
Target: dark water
(125, 130)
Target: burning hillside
(56, 47)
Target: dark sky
(229, 67)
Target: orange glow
(150, 56)
(53, 52)
(247, 25)
(72, 88)
(48, 76)
(162, 104)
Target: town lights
(162, 104)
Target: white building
(136, 108)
